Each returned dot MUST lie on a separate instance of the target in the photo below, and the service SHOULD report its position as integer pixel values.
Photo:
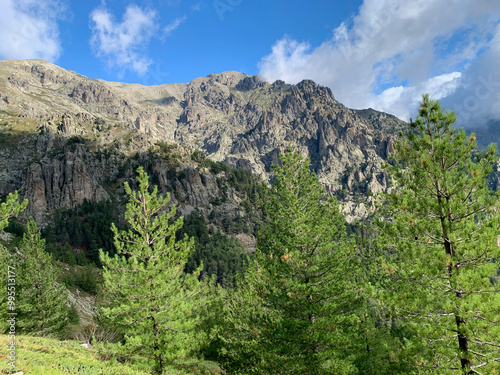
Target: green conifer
(440, 228)
(41, 300)
(297, 311)
(151, 300)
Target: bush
(198, 156)
(73, 316)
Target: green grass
(43, 356)
(14, 129)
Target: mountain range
(66, 138)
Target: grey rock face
(65, 183)
(230, 116)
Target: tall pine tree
(296, 312)
(42, 308)
(151, 300)
(439, 231)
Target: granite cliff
(66, 137)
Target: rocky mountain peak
(229, 116)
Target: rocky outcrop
(62, 183)
(197, 189)
(230, 116)
(86, 307)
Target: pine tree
(10, 208)
(151, 300)
(296, 310)
(440, 227)
(41, 300)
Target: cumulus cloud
(392, 51)
(403, 101)
(29, 29)
(123, 44)
(477, 99)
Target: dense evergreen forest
(412, 290)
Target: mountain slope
(57, 125)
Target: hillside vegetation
(165, 259)
(44, 356)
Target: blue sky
(179, 40)
(372, 53)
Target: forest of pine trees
(415, 291)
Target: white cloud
(392, 51)
(167, 30)
(477, 99)
(29, 29)
(403, 101)
(123, 44)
